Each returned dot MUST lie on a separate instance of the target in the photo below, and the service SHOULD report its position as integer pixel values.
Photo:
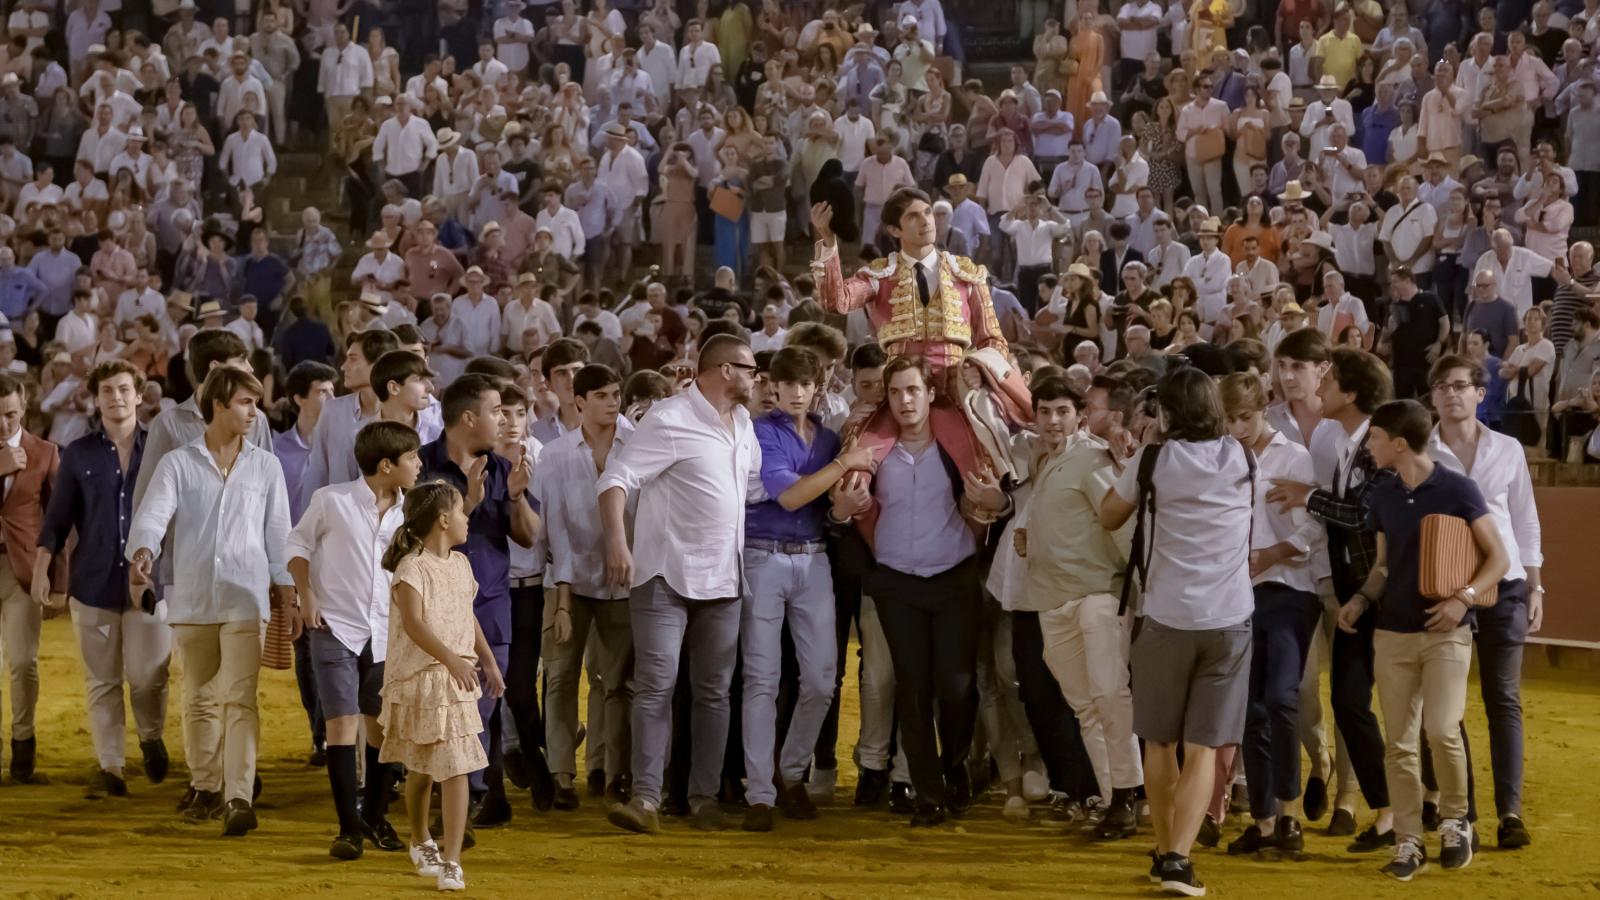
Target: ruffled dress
(430, 724)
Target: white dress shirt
(132, 304)
(1501, 473)
(693, 475)
(610, 325)
(1284, 458)
(403, 149)
(513, 54)
(695, 62)
(386, 272)
(566, 231)
(454, 176)
(248, 159)
(343, 538)
(100, 149)
(1315, 130)
(344, 73)
(480, 322)
(1167, 262)
(1407, 227)
(760, 340)
(1209, 272)
(660, 64)
(1035, 240)
(564, 487)
(249, 332)
(1516, 276)
(228, 535)
(230, 98)
(624, 174)
(518, 318)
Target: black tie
(922, 286)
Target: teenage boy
(1496, 463)
(787, 582)
(225, 502)
(1074, 584)
(1284, 582)
(584, 604)
(335, 557)
(402, 383)
(1354, 385)
(828, 345)
(560, 363)
(1422, 647)
(332, 459)
(93, 497)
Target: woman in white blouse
(1404, 141)
(1535, 357)
(1002, 183)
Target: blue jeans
(796, 587)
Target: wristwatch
(1471, 593)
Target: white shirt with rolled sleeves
(1284, 458)
(1405, 227)
(344, 73)
(1210, 273)
(693, 476)
(343, 538)
(624, 173)
(481, 321)
(1516, 276)
(513, 53)
(695, 62)
(1167, 261)
(566, 231)
(564, 487)
(248, 159)
(227, 535)
(403, 149)
(526, 562)
(518, 317)
(1501, 473)
(455, 176)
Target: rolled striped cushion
(1448, 558)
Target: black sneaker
(239, 819)
(1287, 836)
(493, 812)
(928, 815)
(566, 799)
(516, 767)
(1120, 822)
(1370, 840)
(156, 762)
(1250, 842)
(1455, 843)
(382, 835)
(1210, 833)
(1343, 823)
(1430, 816)
(958, 791)
(187, 800)
(318, 758)
(1314, 803)
(1512, 834)
(900, 798)
(1409, 859)
(1155, 867)
(205, 807)
(871, 787)
(346, 847)
(541, 784)
(1177, 877)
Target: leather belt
(527, 581)
(791, 547)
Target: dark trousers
(1587, 201)
(1055, 727)
(494, 777)
(522, 673)
(411, 180)
(1284, 621)
(1410, 382)
(1350, 679)
(308, 691)
(932, 626)
(1028, 286)
(359, 193)
(1450, 285)
(847, 609)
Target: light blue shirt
(57, 271)
(920, 530)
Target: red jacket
(22, 507)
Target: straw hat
(1099, 97)
(374, 302)
(1211, 226)
(474, 272)
(958, 180)
(1291, 309)
(1080, 270)
(211, 309)
(483, 232)
(1293, 192)
(1321, 239)
(1328, 83)
(379, 241)
(1437, 159)
(182, 300)
(449, 139)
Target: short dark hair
(379, 441)
(1475, 371)
(1119, 396)
(1305, 345)
(819, 338)
(899, 201)
(718, 349)
(304, 375)
(1363, 375)
(593, 377)
(112, 368)
(464, 393)
(11, 384)
(903, 363)
(868, 356)
(512, 394)
(1053, 388)
(493, 366)
(1405, 419)
(1192, 404)
(221, 385)
(645, 384)
(408, 334)
(795, 365)
(563, 352)
(374, 343)
(211, 346)
(397, 366)
(1586, 316)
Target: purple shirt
(920, 530)
(293, 452)
(785, 459)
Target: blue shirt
(1492, 408)
(262, 278)
(488, 546)
(292, 452)
(920, 530)
(58, 272)
(304, 339)
(785, 459)
(1374, 126)
(1396, 511)
(20, 289)
(94, 495)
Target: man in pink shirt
(877, 178)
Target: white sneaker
(1035, 786)
(425, 857)
(451, 878)
(822, 784)
(1016, 809)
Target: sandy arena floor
(53, 844)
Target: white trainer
(425, 857)
(451, 878)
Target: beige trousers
(131, 647)
(1422, 687)
(221, 726)
(19, 648)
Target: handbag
(1209, 145)
(1253, 141)
(1518, 419)
(932, 141)
(728, 203)
(1067, 66)
(277, 652)
(1447, 559)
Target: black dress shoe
(597, 782)
(97, 788)
(1315, 801)
(22, 759)
(318, 758)
(900, 798)
(1120, 822)
(871, 787)
(516, 766)
(796, 803)
(676, 807)
(156, 761)
(566, 799)
(1343, 823)
(1512, 834)
(493, 811)
(187, 800)
(732, 792)
(238, 819)
(204, 808)
(758, 817)
(1210, 833)
(1252, 841)
(346, 846)
(620, 789)
(927, 815)
(958, 791)
(255, 790)
(382, 835)
(1370, 840)
(541, 784)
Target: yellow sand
(53, 844)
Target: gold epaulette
(881, 267)
(967, 270)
